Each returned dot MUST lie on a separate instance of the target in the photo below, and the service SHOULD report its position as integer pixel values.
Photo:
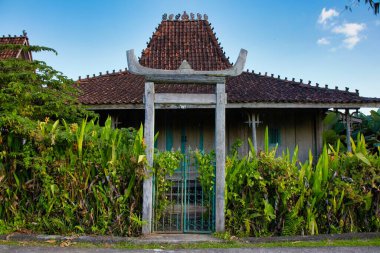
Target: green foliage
(65, 178)
(32, 90)
(278, 195)
(206, 170)
(165, 164)
(370, 127)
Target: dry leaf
(65, 243)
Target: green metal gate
(189, 208)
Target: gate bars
(188, 208)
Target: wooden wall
(302, 127)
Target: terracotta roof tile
(249, 87)
(8, 53)
(190, 40)
(127, 88)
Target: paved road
(22, 249)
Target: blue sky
(314, 40)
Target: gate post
(149, 142)
(220, 148)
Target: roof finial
(205, 17)
(185, 16)
(164, 17)
(192, 16)
(199, 16)
(24, 33)
(177, 16)
(171, 16)
(347, 89)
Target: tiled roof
(16, 40)
(126, 88)
(116, 88)
(187, 38)
(249, 87)
(184, 39)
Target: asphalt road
(28, 249)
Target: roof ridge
(184, 17)
(108, 73)
(301, 83)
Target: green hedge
(269, 195)
(61, 179)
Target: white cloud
(323, 41)
(327, 15)
(349, 29)
(352, 33)
(350, 42)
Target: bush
(70, 178)
(269, 195)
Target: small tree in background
(32, 91)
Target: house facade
(185, 87)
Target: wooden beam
(303, 105)
(220, 148)
(245, 105)
(191, 79)
(185, 69)
(178, 98)
(149, 142)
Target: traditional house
(185, 87)
(15, 53)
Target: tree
(32, 91)
(373, 4)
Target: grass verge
(202, 245)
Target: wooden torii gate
(185, 74)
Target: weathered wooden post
(220, 148)
(348, 130)
(149, 142)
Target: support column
(149, 142)
(319, 131)
(220, 148)
(348, 130)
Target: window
(274, 136)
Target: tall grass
(69, 178)
(278, 195)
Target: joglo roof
(191, 38)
